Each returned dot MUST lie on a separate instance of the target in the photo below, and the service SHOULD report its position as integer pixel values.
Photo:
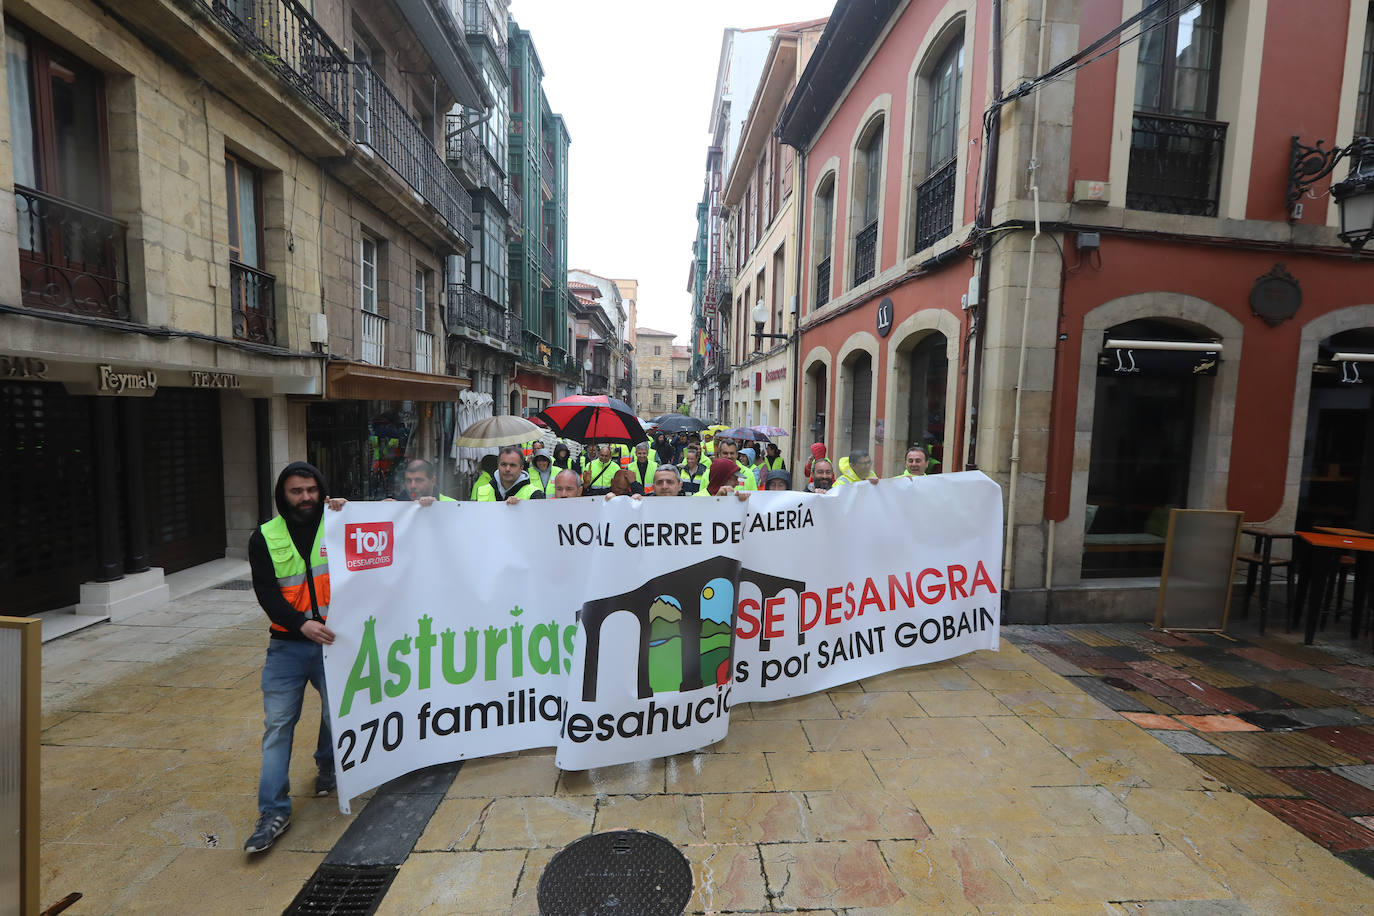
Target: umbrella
(502, 430)
(743, 432)
(594, 418)
(769, 430)
(678, 423)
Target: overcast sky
(633, 79)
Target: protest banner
(623, 630)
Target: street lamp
(760, 315)
(1354, 196)
(586, 370)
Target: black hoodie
(302, 535)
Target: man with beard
(822, 476)
(291, 581)
(420, 481)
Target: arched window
(868, 181)
(935, 193)
(823, 237)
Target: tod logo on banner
(368, 545)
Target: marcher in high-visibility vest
(772, 458)
(291, 582)
(728, 449)
(694, 474)
(510, 480)
(641, 469)
(421, 483)
(488, 469)
(542, 472)
(854, 467)
(596, 476)
(916, 461)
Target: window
(362, 92)
(658, 373)
(934, 198)
(420, 324)
(1179, 60)
(779, 273)
(244, 193)
(823, 237)
(867, 195)
(1364, 106)
(658, 400)
(368, 275)
(681, 379)
(658, 351)
(1176, 147)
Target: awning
(363, 382)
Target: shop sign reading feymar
(624, 630)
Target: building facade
(218, 227)
(661, 383)
(710, 276)
(1095, 287)
(547, 368)
(761, 252)
(600, 331)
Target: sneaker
(324, 782)
(270, 826)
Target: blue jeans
(289, 667)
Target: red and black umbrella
(589, 418)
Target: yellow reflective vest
(289, 567)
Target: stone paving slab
(989, 783)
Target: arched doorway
(815, 395)
(855, 403)
(926, 367)
(1154, 380)
(1337, 484)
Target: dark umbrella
(594, 418)
(743, 432)
(678, 423)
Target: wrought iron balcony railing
(866, 253)
(935, 206)
(71, 258)
(284, 36)
(468, 308)
(381, 122)
(253, 296)
(373, 348)
(478, 20)
(822, 283)
(1175, 164)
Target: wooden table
(1323, 555)
(1264, 545)
(1343, 532)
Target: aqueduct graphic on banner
(692, 607)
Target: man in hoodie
(510, 479)
(291, 581)
(856, 466)
(542, 471)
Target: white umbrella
(502, 430)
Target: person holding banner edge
(291, 582)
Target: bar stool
(1261, 563)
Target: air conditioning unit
(319, 328)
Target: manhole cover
(235, 585)
(623, 871)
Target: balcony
(546, 261)
(935, 206)
(822, 283)
(253, 299)
(546, 166)
(424, 351)
(284, 36)
(374, 339)
(71, 258)
(1175, 164)
(865, 253)
(469, 311)
(381, 122)
(657, 383)
(478, 20)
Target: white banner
(625, 630)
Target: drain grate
(340, 890)
(236, 585)
(622, 871)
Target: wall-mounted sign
(138, 382)
(213, 379)
(884, 317)
(1157, 363)
(23, 367)
(774, 374)
(1275, 297)
(745, 380)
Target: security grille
(183, 478)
